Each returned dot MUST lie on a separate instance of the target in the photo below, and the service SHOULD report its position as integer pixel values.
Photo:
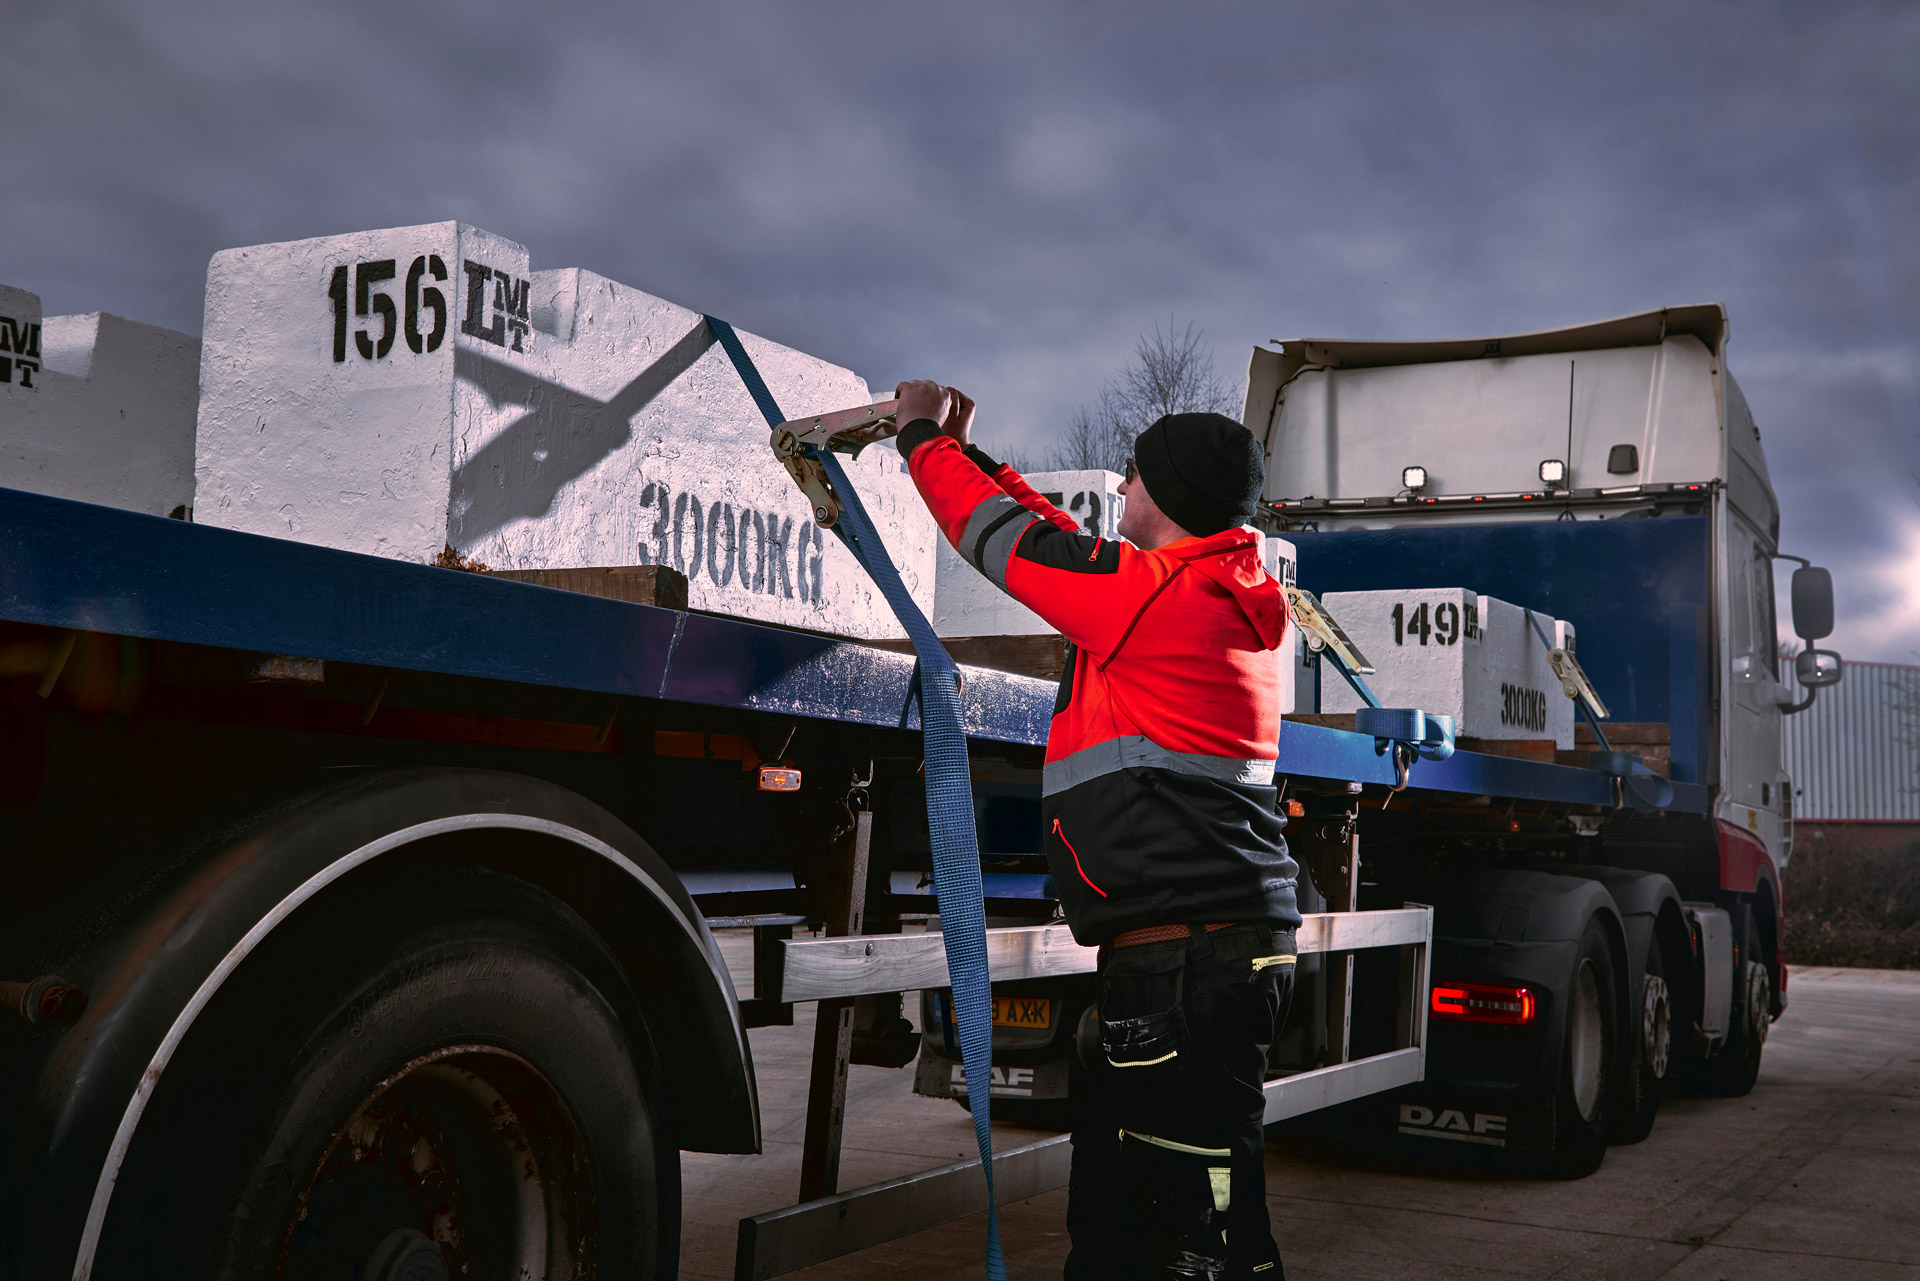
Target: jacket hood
(1231, 558)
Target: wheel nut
(47, 1001)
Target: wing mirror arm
(1815, 669)
(1788, 709)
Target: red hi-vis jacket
(1158, 798)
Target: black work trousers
(1168, 1142)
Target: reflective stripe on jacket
(1159, 799)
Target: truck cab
(1610, 478)
(1635, 418)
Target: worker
(1161, 816)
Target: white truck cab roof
(1639, 410)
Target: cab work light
(1413, 478)
(1507, 1004)
(1553, 473)
(774, 778)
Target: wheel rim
(463, 1163)
(1759, 999)
(1657, 1029)
(1585, 1041)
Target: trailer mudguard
(244, 878)
(1510, 925)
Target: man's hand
(944, 405)
(959, 420)
(919, 399)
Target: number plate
(1022, 1011)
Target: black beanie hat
(1205, 471)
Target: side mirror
(1813, 608)
(1817, 668)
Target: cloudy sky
(1004, 195)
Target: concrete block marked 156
(397, 391)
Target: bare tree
(1171, 372)
(1094, 438)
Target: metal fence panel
(1855, 754)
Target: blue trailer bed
(74, 565)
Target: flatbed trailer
(238, 766)
(188, 708)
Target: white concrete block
(1282, 562)
(1450, 651)
(96, 408)
(398, 391)
(966, 604)
(20, 341)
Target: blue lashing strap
(1641, 788)
(1408, 730)
(1427, 735)
(956, 853)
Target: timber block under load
(1449, 651)
(1651, 741)
(661, 585)
(96, 408)
(1043, 657)
(412, 390)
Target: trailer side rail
(785, 1240)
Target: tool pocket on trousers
(1142, 1023)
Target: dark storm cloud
(1004, 196)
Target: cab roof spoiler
(1705, 321)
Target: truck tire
(1645, 1054)
(437, 1073)
(1587, 1060)
(1732, 1072)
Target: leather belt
(1160, 934)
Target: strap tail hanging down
(956, 855)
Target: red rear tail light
(1507, 1004)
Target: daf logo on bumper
(1451, 1123)
(1016, 1082)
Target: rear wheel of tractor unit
(1644, 1055)
(1586, 1062)
(445, 1077)
(1732, 1072)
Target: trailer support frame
(834, 970)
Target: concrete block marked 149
(1447, 650)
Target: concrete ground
(1811, 1176)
